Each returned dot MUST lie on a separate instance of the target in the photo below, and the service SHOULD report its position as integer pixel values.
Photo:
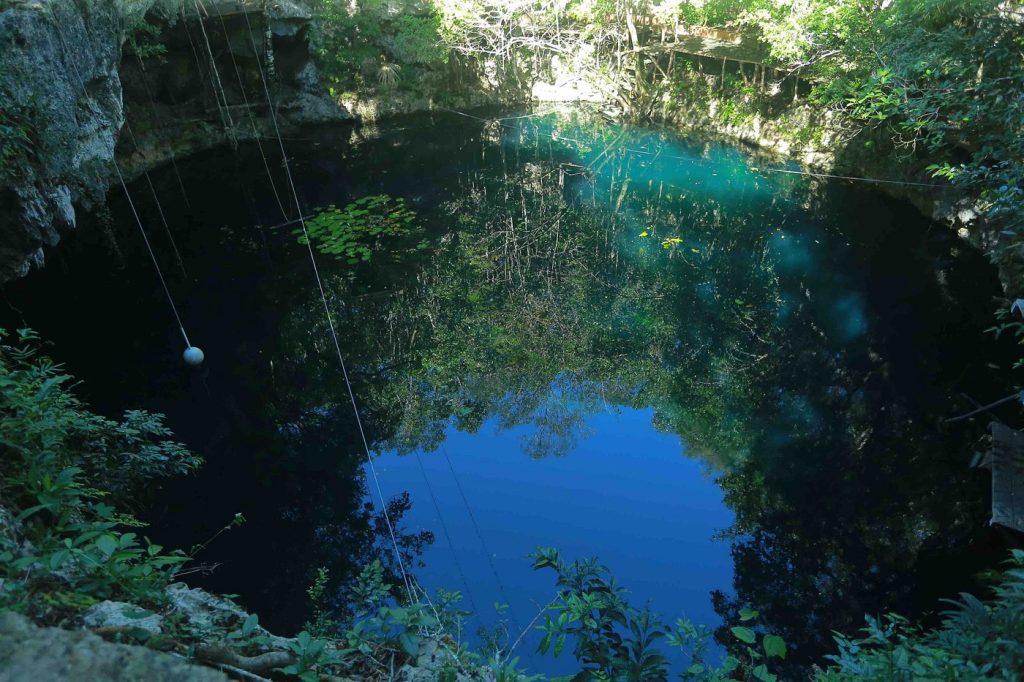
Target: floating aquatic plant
(362, 227)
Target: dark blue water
(624, 487)
(728, 384)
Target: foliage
(360, 229)
(143, 33)
(359, 45)
(378, 621)
(311, 654)
(976, 641)
(321, 625)
(62, 467)
(939, 80)
(615, 640)
(64, 547)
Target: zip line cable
(850, 177)
(218, 85)
(152, 255)
(330, 318)
(406, 579)
(124, 186)
(252, 120)
(192, 42)
(426, 479)
(159, 208)
(170, 149)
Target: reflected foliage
(577, 267)
(805, 340)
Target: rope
(188, 33)
(170, 149)
(218, 85)
(152, 255)
(984, 408)
(252, 120)
(447, 535)
(330, 320)
(159, 208)
(850, 177)
(120, 178)
(483, 543)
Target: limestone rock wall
(67, 70)
(59, 61)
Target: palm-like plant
(388, 72)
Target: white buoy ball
(193, 356)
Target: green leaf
(30, 511)
(744, 634)
(774, 646)
(250, 624)
(410, 643)
(107, 544)
(545, 644)
(761, 673)
(747, 614)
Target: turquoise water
(727, 383)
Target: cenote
(729, 384)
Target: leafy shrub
(378, 622)
(65, 546)
(976, 641)
(615, 640)
(361, 43)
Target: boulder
(28, 652)
(118, 614)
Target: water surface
(727, 383)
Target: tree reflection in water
(804, 339)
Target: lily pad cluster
(363, 227)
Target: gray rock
(60, 60)
(28, 652)
(208, 613)
(118, 614)
(431, 659)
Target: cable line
(152, 255)
(444, 527)
(252, 120)
(483, 543)
(851, 177)
(330, 319)
(170, 299)
(156, 200)
(218, 85)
